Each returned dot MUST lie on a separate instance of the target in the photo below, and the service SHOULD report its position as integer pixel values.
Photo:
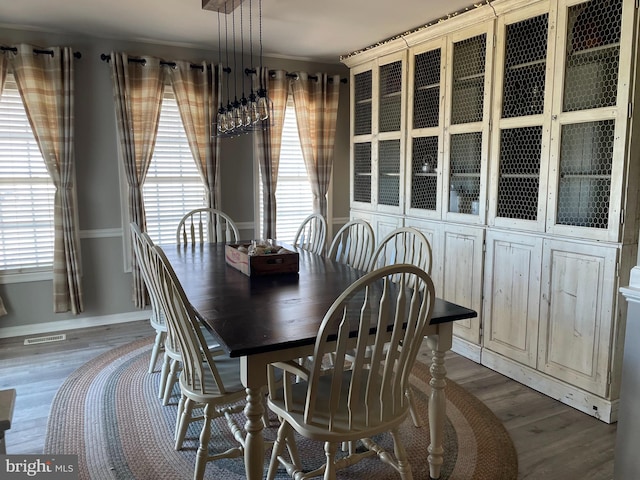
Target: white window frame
(30, 150)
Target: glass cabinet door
(426, 117)
(521, 140)
(585, 121)
(468, 124)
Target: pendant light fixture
(252, 112)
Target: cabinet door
(378, 103)
(579, 282)
(362, 137)
(434, 233)
(462, 251)
(425, 132)
(512, 295)
(384, 224)
(466, 141)
(521, 109)
(389, 130)
(589, 119)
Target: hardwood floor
(554, 442)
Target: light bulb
(222, 120)
(263, 105)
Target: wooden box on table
(265, 264)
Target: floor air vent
(47, 339)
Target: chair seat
(229, 370)
(342, 428)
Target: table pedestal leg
(437, 403)
(254, 443)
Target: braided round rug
(108, 413)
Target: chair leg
(171, 381)
(330, 450)
(203, 449)
(404, 468)
(157, 346)
(417, 421)
(164, 373)
(281, 439)
(183, 419)
(265, 416)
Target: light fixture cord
(242, 50)
(260, 19)
(235, 65)
(220, 54)
(226, 40)
(251, 39)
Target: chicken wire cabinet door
(466, 142)
(362, 136)
(589, 113)
(425, 129)
(521, 111)
(377, 126)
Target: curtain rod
(248, 71)
(251, 71)
(107, 58)
(37, 50)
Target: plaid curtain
(197, 93)
(316, 105)
(3, 76)
(45, 83)
(267, 142)
(137, 91)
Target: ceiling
(298, 29)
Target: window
(26, 191)
(173, 185)
(294, 199)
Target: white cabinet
(518, 160)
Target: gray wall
(106, 284)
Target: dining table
(271, 318)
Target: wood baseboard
(72, 324)
(598, 407)
(466, 349)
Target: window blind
(294, 200)
(26, 191)
(173, 185)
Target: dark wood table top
(250, 315)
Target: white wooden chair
(213, 383)
(206, 225)
(311, 234)
(353, 244)
(156, 318)
(404, 245)
(344, 405)
(172, 361)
